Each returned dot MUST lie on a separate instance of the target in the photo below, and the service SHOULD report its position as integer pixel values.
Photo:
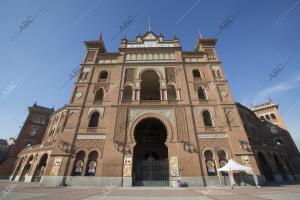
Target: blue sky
(263, 36)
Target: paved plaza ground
(34, 191)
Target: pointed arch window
(78, 164)
(81, 75)
(273, 116)
(85, 75)
(207, 120)
(196, 74)
(222, 160)
(210, 163)
(91, 164)
(150, 86)
(103, 76)
(94, 120)
(127, 93)
(201, 94)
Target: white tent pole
(230, 177)
(253, 176)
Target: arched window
(127, 93)
(214, 73)
(28, 143)
(210, 164)
(85, 75)
(99, 95)
(167, 56)
(94, 120)
(196, 74)
(150, 86)
(279, 141)
(171, 93)
(218, 73)
(262, 117)
(207, 118)
(78, 165)
(144, 56)
(268, 117)
(40, 169)
(26, 168)
(161, 56)
(81, 75)
(222, 160)
(103, 75)
(273, 116)
(92, 164)
(201, 94)
(17, 170)
(139, 57)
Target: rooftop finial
(270, 100)
(200, 35)
(100, 37)
(149, 24)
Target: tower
(31, 134)
(269, 111)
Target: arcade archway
(150, 86)
(150, 154)
(266, 169)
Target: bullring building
(151, 114)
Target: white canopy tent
(232, 167)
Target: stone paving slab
(236, 197)
(290, 196)
(214, 192)
(147, 198)
(152, 193)
(24, 191)
(21, 195)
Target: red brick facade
(149, 102)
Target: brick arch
(99, 152)
(157, 71)
(80, 149)
(129, 84)
(208, 149)
(226, 150)
(157, 116)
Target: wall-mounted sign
(90, 137)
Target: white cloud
(266, 93)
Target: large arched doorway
(280, 168)
(266, 169)
(150, 154)
(150, 86)
(40, 169)
(26, 168)
(17, 169)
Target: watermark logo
(26, 23)
(126, 23)
(276, 71)
(227, 22)
(8, 190)
(72, 75)
(10, 87)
